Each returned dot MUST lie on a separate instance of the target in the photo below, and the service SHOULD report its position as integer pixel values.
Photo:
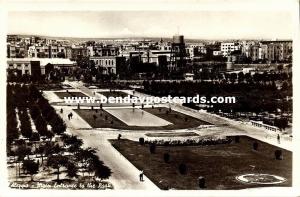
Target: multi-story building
(228, 47)
(37, 66)
(14, 51)
(105, 64)
(78, 52)
(278, 50)
(47, 51)
(159, 58)
(254, 52)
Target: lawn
(61, 95)
(179, 120)
(114, 94)
(218, 164)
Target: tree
(85, 157)
(61, 55)
(102, 172)
(73, 142)
(31, 167)
(58, 125)
(72, 170)
(141, 141)
(35, 137)
(23, 151)
(56, 162)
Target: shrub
(278, 154)
(152, 148)
(255, 145)
(141, 141)
(119, 136)
(167, 157)
(237, 139)
(201, 182)
(182, 168)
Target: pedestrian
(278, 139)
(142, 176)
(61, 111)
(71, 115)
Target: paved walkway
(125, 175)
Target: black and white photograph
(197, 99)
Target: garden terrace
(218, 164)
(61, 95)
(113, 94)
(106, 120)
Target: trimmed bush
(119, 136)
(141, 141)
(182, 168)
(152, 148)
(167, 157)
(201, 182)
(237, 139)
(278, 154)
(255, 145)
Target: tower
(178, 52)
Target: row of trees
(69, 157)
(64, 155)
(250, 97)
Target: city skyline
(124, 24)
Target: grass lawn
(114, 94)
(219, 164)
(61, 95)
(178, 120)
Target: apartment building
(228, 47)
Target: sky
(192, 24)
